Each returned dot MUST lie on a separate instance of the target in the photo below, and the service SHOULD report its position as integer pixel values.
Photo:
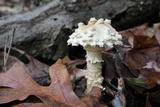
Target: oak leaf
(17, 84)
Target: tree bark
(44, 31)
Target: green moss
(37, 47)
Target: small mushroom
(93, 37)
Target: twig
(8, 44)
(18, 50)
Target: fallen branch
(44, 31)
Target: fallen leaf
(150, 54)
(66, 60)
(152, 77)
(121, 68)
(128, 34)
(134, 60)
(93, 98)
(139, 37)
(16, 84)
(152, 64)
(139, 30)
(38, 70)
(77, 71)
(72, 67)
(62, 84)
(33, 105)
(142, 42)
(14, 79)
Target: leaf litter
(17, 84)
(19, 88)
(137, 63)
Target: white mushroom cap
(96, 33)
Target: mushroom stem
(94, 73)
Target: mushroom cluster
(93, 37)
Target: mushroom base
(94, 73)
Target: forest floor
(131, 72)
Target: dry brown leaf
(20, 85)
(142, 41)
(63, 84)
(38, 70)
(152, 64)
(134, 60)
(67, 60)
(126, 35)
(92, 100)
(93, 97)
(150, 53)
(152, 77)
(129, 34)
(139, 37)
(76, 74)
(72, 66)
(33, 105)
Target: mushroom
(93, 37)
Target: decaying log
(44, 30)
